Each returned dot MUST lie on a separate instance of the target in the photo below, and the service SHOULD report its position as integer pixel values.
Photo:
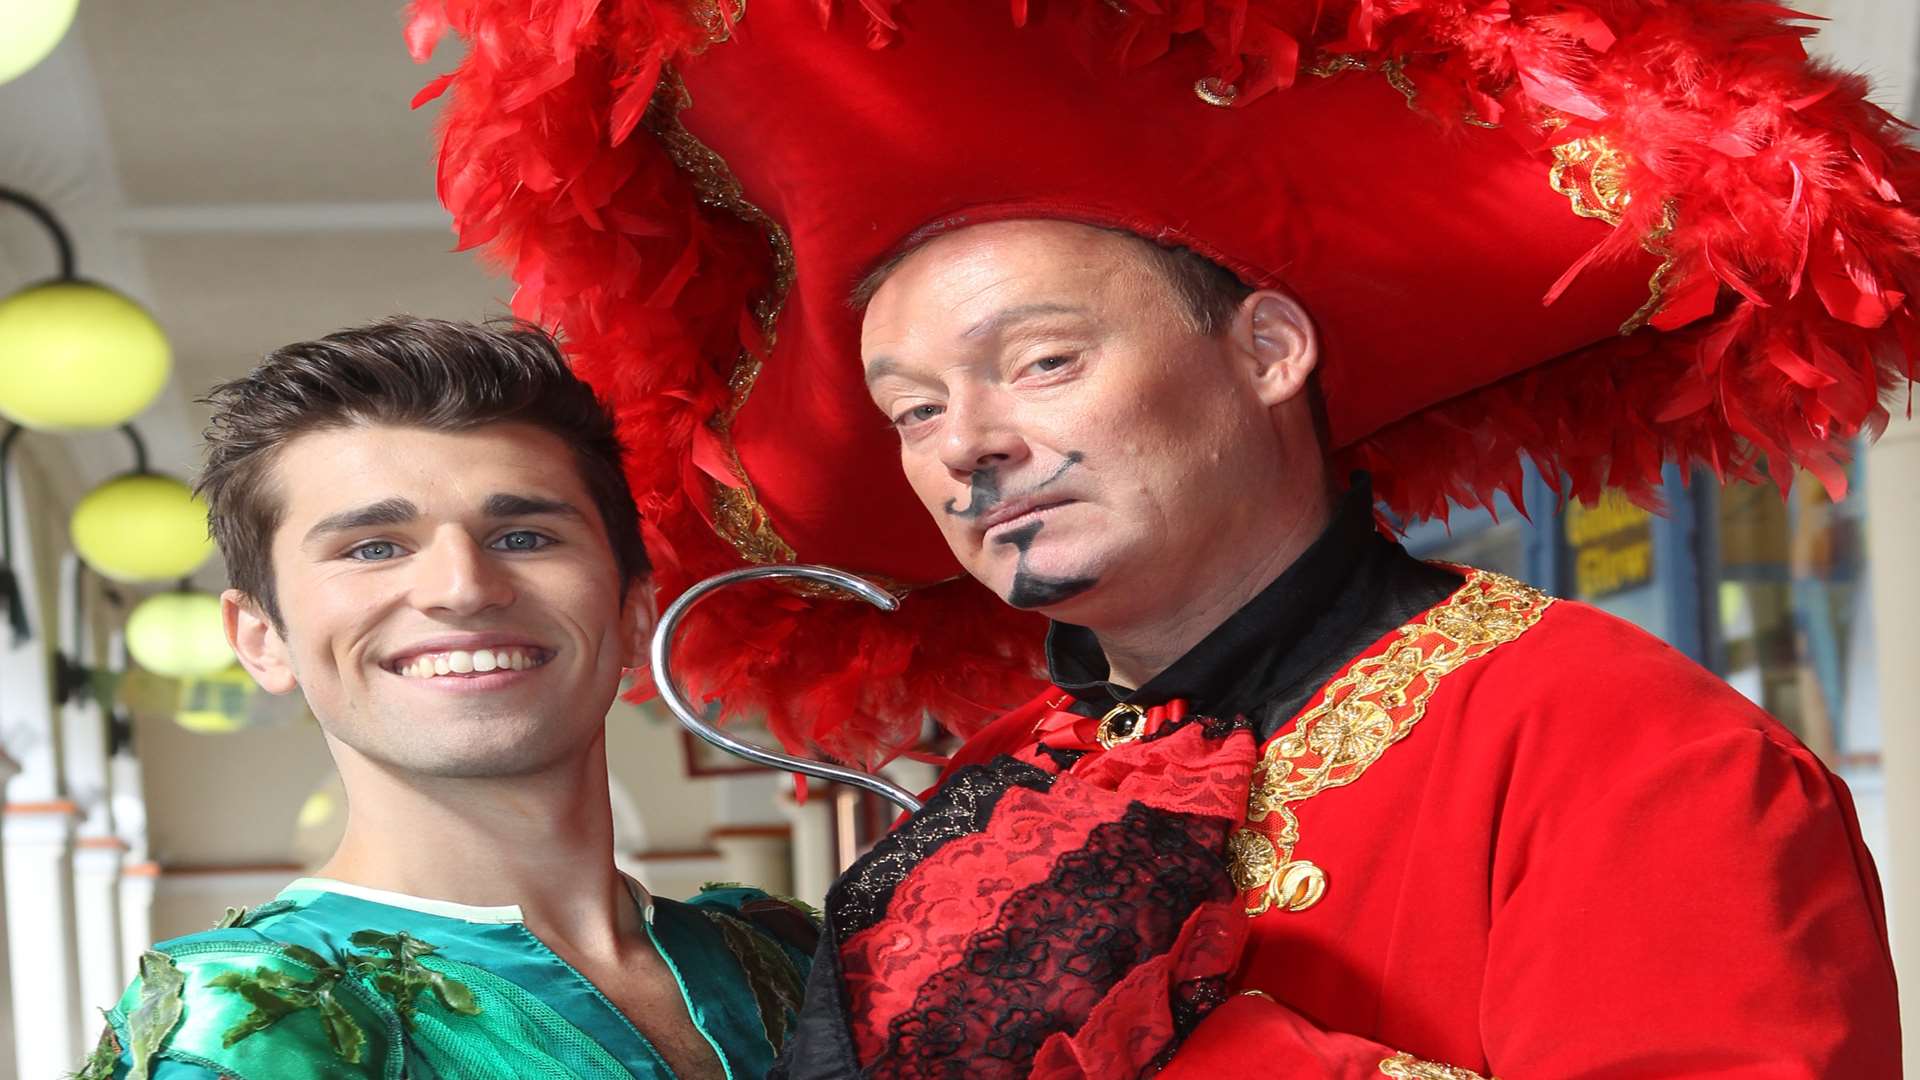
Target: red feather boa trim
(1786, 312)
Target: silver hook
(683, 710)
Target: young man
(430, 536)
(1296, 805)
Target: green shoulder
(773, 939)
(236, 1003)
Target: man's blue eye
(917, 414)
(522, 540)
(374, 551)
(1051, 363)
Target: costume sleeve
(1711, 914)
(215, 1008)
(1714, 912)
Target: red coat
(1586, 857)
(1515, 837)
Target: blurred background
(195, 184)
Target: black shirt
(1351, 587)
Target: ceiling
(249, 169)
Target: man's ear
(641, 612)
(1273, 337)
(261, 647)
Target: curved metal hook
(682, 709)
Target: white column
(137, 873)
(8, 770)
(1893, 520)
(137, 882)
(814, 869)
(96, 919)
(98, 852)
(40, 937)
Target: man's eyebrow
(881, 368)
(510, 505)
(1001, 319)
(394, 511)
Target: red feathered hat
(1603, 234)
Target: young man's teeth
(464, 662)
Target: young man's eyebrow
(394, 511)
(510, 505)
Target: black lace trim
(961, 807)
(1059, 945)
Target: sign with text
(1612, 546)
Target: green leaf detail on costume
(402, 977)
(100, 1064)
(275, 995)
(771, 975)
(161, 985)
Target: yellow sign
(1612, 545)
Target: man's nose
(977, 435)
(457, 575)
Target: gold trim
(718, 26)
(738, 515)
(1592, 173)
(1358, 716)
(1395, 70)
(1213, 91)
(1655, 243)
(1408, 1067)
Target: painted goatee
(1032, 589)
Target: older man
(1138, 287)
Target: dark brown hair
(1209, 292)
(409, 372)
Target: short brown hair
(1209, 292)
(410, 372)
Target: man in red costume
(1138, 287)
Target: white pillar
(40, 937)
(1893, 520)
(813, 865)
(96, 920)
(137, 882)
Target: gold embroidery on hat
(1216, 91)
(1330, 64)
(1356, 718)
(719, 23)
(738, 515)
(1592, 173)
(1408, 1067)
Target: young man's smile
(455, 611)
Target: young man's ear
(261, 647)
(641, 613)
(1274, 338)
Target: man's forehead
(1034, 268)
(318, 473)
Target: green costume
(332, 980)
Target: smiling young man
(1138, 288)
(430, 536)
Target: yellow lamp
(216, 704)
(179, 634)
(29, 29)
(142, 527)
(75, 355)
